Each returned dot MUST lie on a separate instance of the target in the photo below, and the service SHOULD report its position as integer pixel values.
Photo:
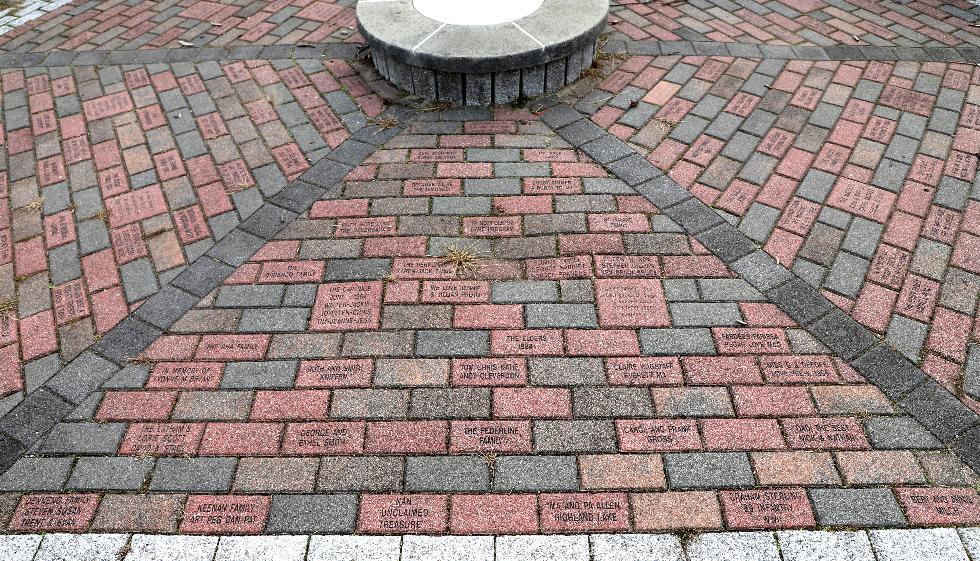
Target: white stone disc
(476, 12)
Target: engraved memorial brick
(225, 514)
(492, 226)
(644, 371)
(335, 373)
(627, 266)
(54, 512)
(560, 268)
(861, 199)
(432, 187)
(526, 342)
(162, 439)
(490, 436)
(489, 372)
(69, 301)
(349, 306)
(456, 291)
(552, 185)
(366, 227)
(657, 435)
(134, 206)
(799, 369)
(940, 506)
(288, 272)
(409, 268)
(402, 514)
(584, 512)
(107, 106)
(767, 508)
(186, 375)
(750, 340)
(317, 439)
(631, 303)
(825, 433)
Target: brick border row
(968, 54)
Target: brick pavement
(240, 296)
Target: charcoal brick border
(916, 393)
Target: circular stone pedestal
(481, 52)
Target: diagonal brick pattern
(81, 26)
(117, 177)
(856, 175)
(485, 321)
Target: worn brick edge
(963, 53)
(183, 54)
(918, 394)
(37, 413)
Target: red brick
(627, 266)
(575, 169)
(676, 510)
(713, 370)
(489, 371)
(655, 435)
(277, 251)
(757, 509)
(590, 244)
(489, 316)
(233, 347)
(619, 222)
(742, 434)
(602, 342)
(402, 514)
(825, 433)
(289, 272)
(30, 257)
(644, 371)
(100, 270)
(494, 514)
(772, 401)
(584, 512)
(631, 303)
(109, 308)
(799, 369)
(750, 340)
(59, 229)
(940, 506)
(241, 439)
(406, 437)
(347, 306)
(490, 437)
(536, 403)
(162, 439)
(69, 302)
(526, 204)
(335, 373)
(225, 514)
(290, 404)
(136, 406)
(317, 439)
(526, 342)
(880, 467)
(560, 268)
(38, 336)
(71, 512)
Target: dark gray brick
(574, 436)
(846, 337)
(312, 514)
(36, 474)
(800, 301)
(452, 343)
(899, 433)
(375, 473)
(939, 411)
(609, 402)
(857, 508)
(889, 370)
(446, 474)
(450, 403)
(709, 470)
(81, 376)
(84, 438)
(35, 416)
(110, 474)
(565, 371)
(193, 474)
(535, 473)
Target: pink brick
(526, 342)
(406, 246)
(277, 251)
(233, 347)
(241, 439)
(536, 403)
(489, 371)
(619, 222)
(742, 434)
(940, 506)
(799, 369)
(402, 514)
(750, 340)
(686, 266)
(767, 509)
(602, 342)
(772, 401)
(317, 439)
(949, 333)
(225, 514)
(172, 347)
(455, 291)
(38, 336)
(590, 244)
(825, 433)
(347, 306)
(30, 257)
(162, 439)
(561, 169)
(759, 314)
(339, 208)
(489, 316)
(559, 268)
(657, 435)
(406, 437)
(136, 406)
(713, 370)
(490, 437)
(631, 303)
(494, 514)
(492, 226)
(64, 512)
(524, 204)
(917, 298)
(584, 512)
(284, 405)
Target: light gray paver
(744, 546)
(19, 548)
(939, 544)
(262, 548)
(542, 548)
(354, 548)
(659, 547)
(172, 548)
(75, 547)
(447, 548)
(825, 546)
